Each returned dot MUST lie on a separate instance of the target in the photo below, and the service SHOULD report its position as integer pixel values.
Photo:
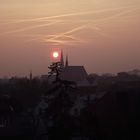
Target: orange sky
(102, 35)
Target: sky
(102, 35)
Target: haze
(102, 35)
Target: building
(77, 74)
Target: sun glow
(55, 54)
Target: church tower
(30, 76)
(62, 59)
(67, 63)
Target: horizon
(101, 35)
(41, 74)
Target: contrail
(96, 28)
(48, 37)
(53, 37)
(65, 35)
(53, 41)
(54, 21)
(68, 15)
(70, 37)
(15, 21)
(115, 15)
(60, 41)
(32, 27)
(69, 32)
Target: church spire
(67, 63)
(61, 59)
(31, 76)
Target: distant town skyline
(102, 35)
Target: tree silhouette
(59, 105)
(55, 69)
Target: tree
(59, 104)
(55, 69)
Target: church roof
(74, 73)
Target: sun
(55, 54)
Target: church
(77, 74)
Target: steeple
(67, 63)
(61, 59)
(31, 76)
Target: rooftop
(74, 73)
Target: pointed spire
(61, 59)
(31, 75)
(67, 63)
